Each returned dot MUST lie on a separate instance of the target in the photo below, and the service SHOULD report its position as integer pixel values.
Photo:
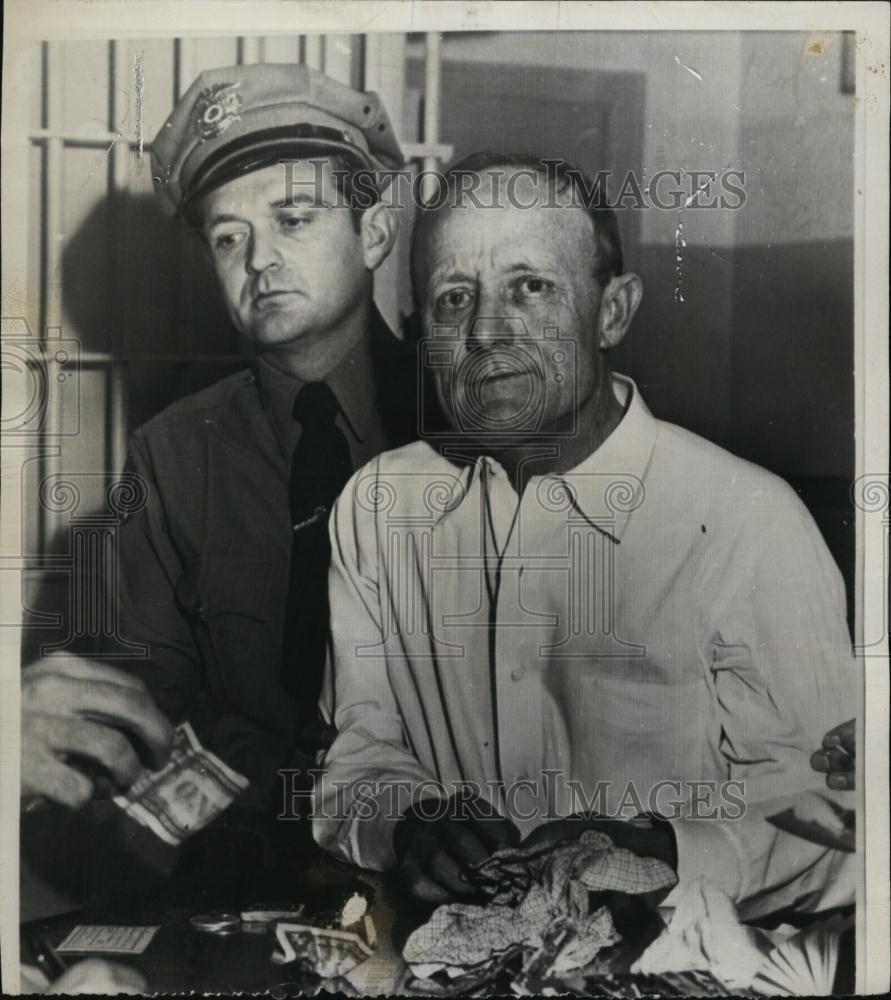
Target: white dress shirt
(663, 615)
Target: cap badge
(216, 109)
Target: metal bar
(123, 114)
(250, 49)
(339, 57)
(432, 80)
(54, 208)
(314, 51)
(183, 63)
(116, 403)
(54, 237)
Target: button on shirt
(625, 637)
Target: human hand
(96, 975)
(73, 709)
(435, 855)
(838, 756)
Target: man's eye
(531, 286)
(453, 300)
(291, 223)
(223, 242)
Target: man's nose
(263, 254)
(491, 330)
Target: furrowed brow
(303, 198)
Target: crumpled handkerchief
(705, 934)
(533, 890)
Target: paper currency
(192, 788)
(328, 953)
(108, 940)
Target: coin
(216, 923)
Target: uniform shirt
(665, 612)
(203, 578)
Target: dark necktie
(319, 470)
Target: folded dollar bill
(328, 952)
(192, 788)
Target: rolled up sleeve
(783, 674)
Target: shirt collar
(606, 487)
(348, 380)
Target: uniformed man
(223, 573)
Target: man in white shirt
(562, 604)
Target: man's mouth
(266, 301)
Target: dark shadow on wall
(136, 286)
(137, 282)
(792, 407)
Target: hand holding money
(192, 788)
(81, 719)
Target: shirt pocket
(646, 726)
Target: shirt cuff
(706, 849)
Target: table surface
(181, 958)
(222, 874)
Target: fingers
(95, 975)
(495, 833)
(449, 873)
(835, 762)
(844, 736)
(79, 668)
(438, 878)
(423, 888)
(461, 839)
(45, 775)
(69, 687)
(129, 708)
(833, 759)
(101, 744)
(840, 781)
(438, 861)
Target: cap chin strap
(263, 149)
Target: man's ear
(618, 304)
(378, 231)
